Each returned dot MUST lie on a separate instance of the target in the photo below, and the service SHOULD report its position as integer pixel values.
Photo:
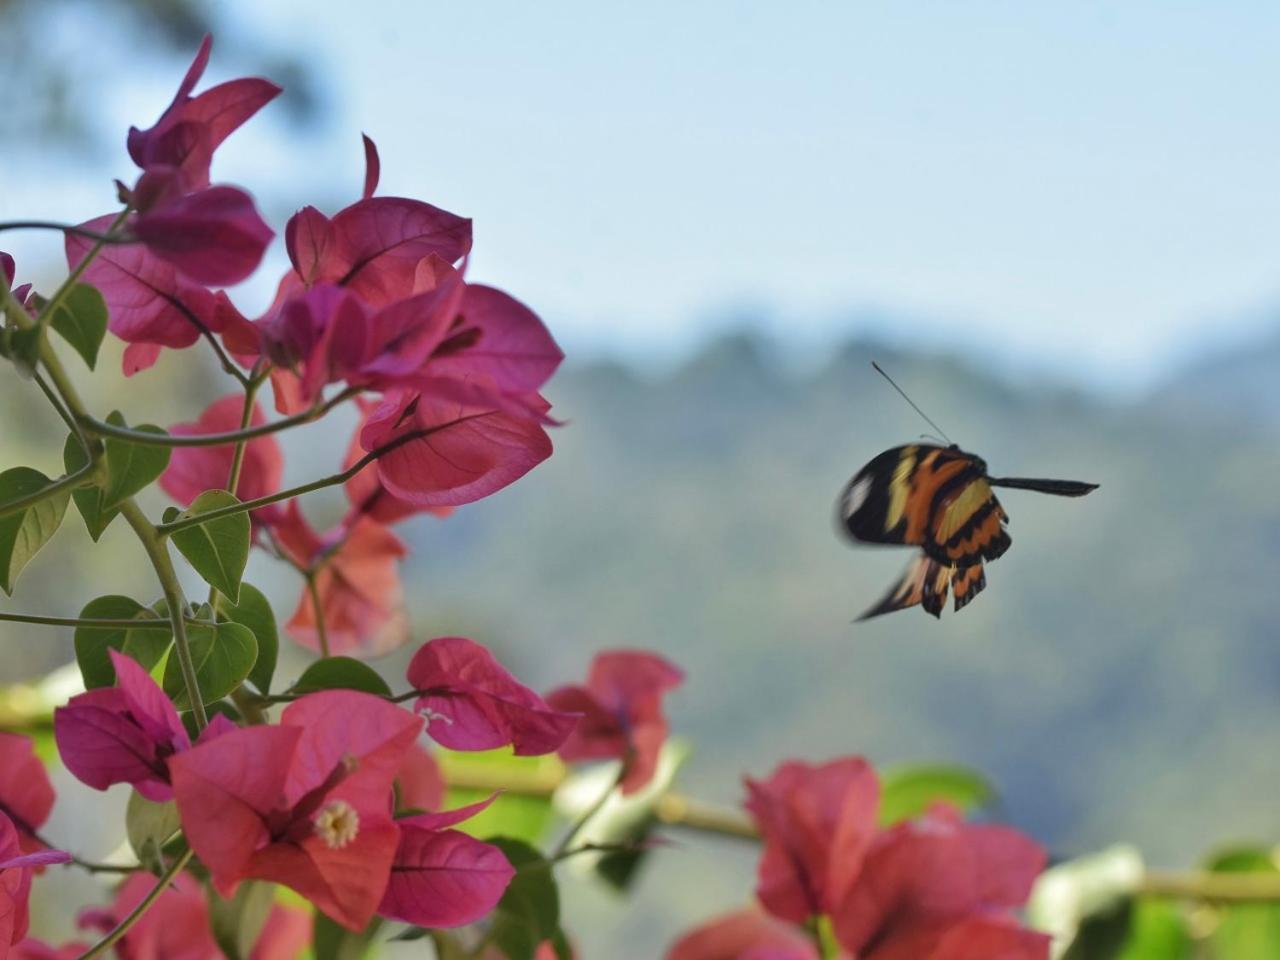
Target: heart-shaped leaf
(253, 611)
(145, 645)
(341, 673)
(88, 500)
(24, 532)
(22, 346)
(148, 826)
(81, 318)
(131, 467)
(218, 549)
(222, 656)
(238, 920)
(529, 912)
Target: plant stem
(246, 417)
(72, 481)
(153, 543)
(66, 417)
(102, 238)
(99, 428)
(125, 925)
(590, 812)
(249, 505)
(61, 293)
(98, 623)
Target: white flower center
(337, 824)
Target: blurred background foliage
(1117, 682)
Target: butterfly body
(942, 500)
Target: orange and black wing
(967, 583)
(967, 524)
(924, 583)
(891, 500)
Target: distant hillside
(1238, 385)
(1118, 679)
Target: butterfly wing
(891, 500)
(923, 583)
(967, 583)
(967, 523)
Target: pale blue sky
(1090, 187)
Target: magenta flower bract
(26, 795)
(192, 128)
(621, 707)
(306, 803)
(817, 823)
(744, 935)
(15, 882)
(122, 734)
(443, 877)
(472, 703)
(214, 236)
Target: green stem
(61, 293)
(246, 417)
(66, 417)
(174, 526)
(99, 428)
(590, 812)
(153, 543)
(125, 925)
(72, 481)
(103, 238)
(96, 623)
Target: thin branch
(317, 606)
(97, 623)
(125, 925)
(247, 506)
(145, 439)
(103, 238)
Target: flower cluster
(935, 888)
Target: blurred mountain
(1118, 679)
(1237, 385)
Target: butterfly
(941, 500)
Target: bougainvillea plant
(267, 819)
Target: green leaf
(88, 499)
(131, 467)
(81, 318)
(1102, 935)
(149, 826)
(512, 814)
(237, 922)
(341, 673)
(1247, 929)
(23, 533)
(909, 791)
(529, 912)
(222, 655)
(218, 549)
(22, 347)
(332, 942)
(1157, 931)
(93, 643)
(254, 611)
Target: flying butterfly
(941, 500)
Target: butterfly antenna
(880, 371)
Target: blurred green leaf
(1245, 929)
(1069, 896)
(1102, 935)
(1157, 931)
(217, 549)
(81, 319)
(222, 655)
(529, 912)
(521, 815)
(93, 643)
(149, 825)
(253, 610)
(23, 533)
(341, 673)
(237, 921)
(22, 347)
(88, 499)
(131, 467)
(333, 942)
(907, 792)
